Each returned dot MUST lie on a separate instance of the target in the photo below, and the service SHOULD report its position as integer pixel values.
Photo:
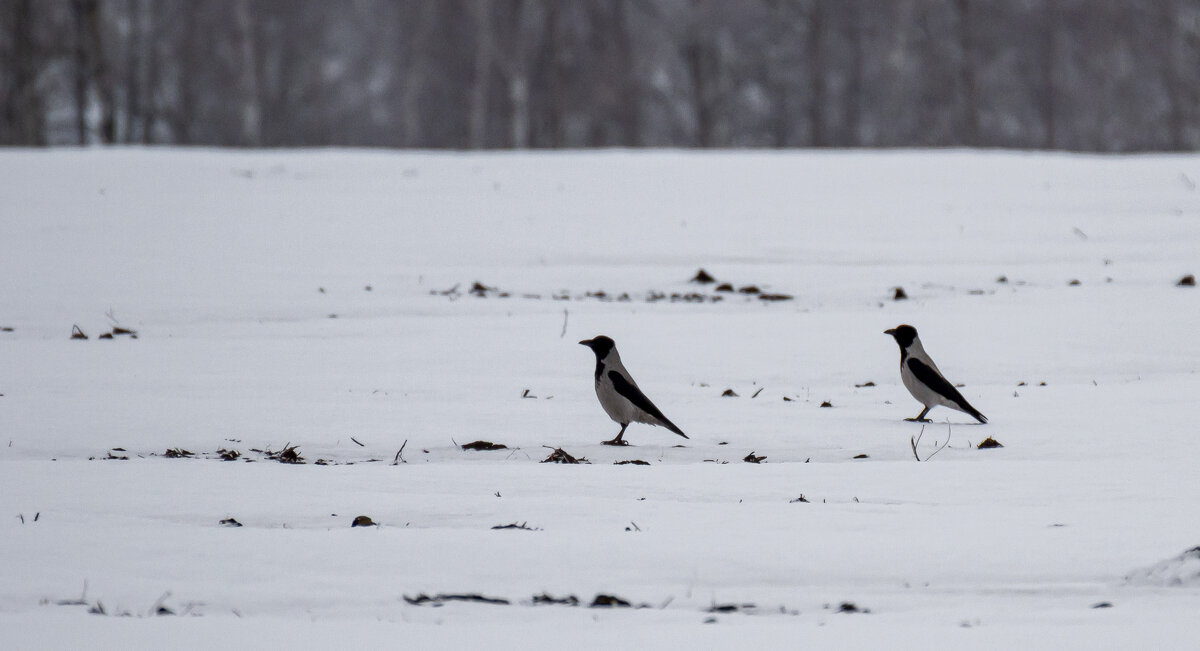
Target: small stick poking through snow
(564, 329)
(914, 441)
(400, 455)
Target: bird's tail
(671, 426)
(968, 409)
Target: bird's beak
(890, 331)
(586, 342)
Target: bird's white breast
(616, 405)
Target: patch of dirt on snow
(561, 456)
(287, 455)
(613, 601)
(484, 445)
(439, 599)
(524, 526)
(546, 599)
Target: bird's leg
(920, 417)
(618, 440)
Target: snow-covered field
(246, 276)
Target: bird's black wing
(935, 381)
(639, 399)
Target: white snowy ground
(216, 260)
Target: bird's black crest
(601, 345)
(904, 335)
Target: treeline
(1098, 75)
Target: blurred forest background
(1098, 75)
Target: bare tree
(93, 82)
(966, 74)
(520, 36)
(1181, 21)
(83, 70)
(480, 85)
(148, 105)
(704, 61)
(250, 106)
(817, 70)
(134, 77)
(24, 122)
(1118, 75)
(1048, 87)
(413, 70)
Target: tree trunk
(816, 66)
(702, 60)
(188, 64)
(556, 92)
(149, 104)
(79, 9)
(23, 106)
(133, 72)
(1176, 88)
(1049, 91)
(250, 132)
(480, 85)
(698, 57)
(100, 75)
(629, 118)
(966, 75)
(516, 70)
(855, 84)
(413, 70)
(772, 70)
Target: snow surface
(217, 259)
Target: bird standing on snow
(620, 396)
(923, 379)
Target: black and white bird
(619, 395)
(923, 379)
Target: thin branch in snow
(913, 441)
(943, 447)
(564, 328)
(399, 458)
(916, 440)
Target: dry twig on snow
(914, 441)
